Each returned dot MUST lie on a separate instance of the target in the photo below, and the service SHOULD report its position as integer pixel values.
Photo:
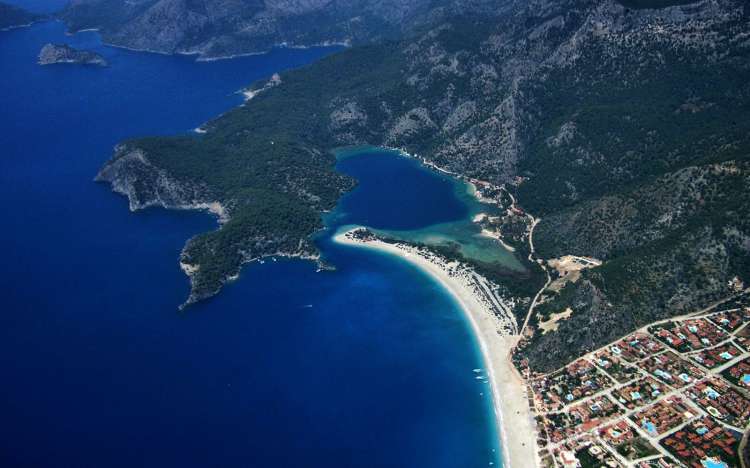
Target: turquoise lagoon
(451, 221)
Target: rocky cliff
(130, 173)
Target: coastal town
(673, 393)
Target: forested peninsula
(623, 127)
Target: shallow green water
(459, 230)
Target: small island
(63, 53)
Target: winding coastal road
(540, 262)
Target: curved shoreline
(514, 420)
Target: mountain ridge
(223, 28)
(633, 122)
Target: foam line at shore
(514, 420)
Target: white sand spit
(517, 426)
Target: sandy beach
(518, 436)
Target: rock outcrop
(62, 53)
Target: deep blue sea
(367, 366)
